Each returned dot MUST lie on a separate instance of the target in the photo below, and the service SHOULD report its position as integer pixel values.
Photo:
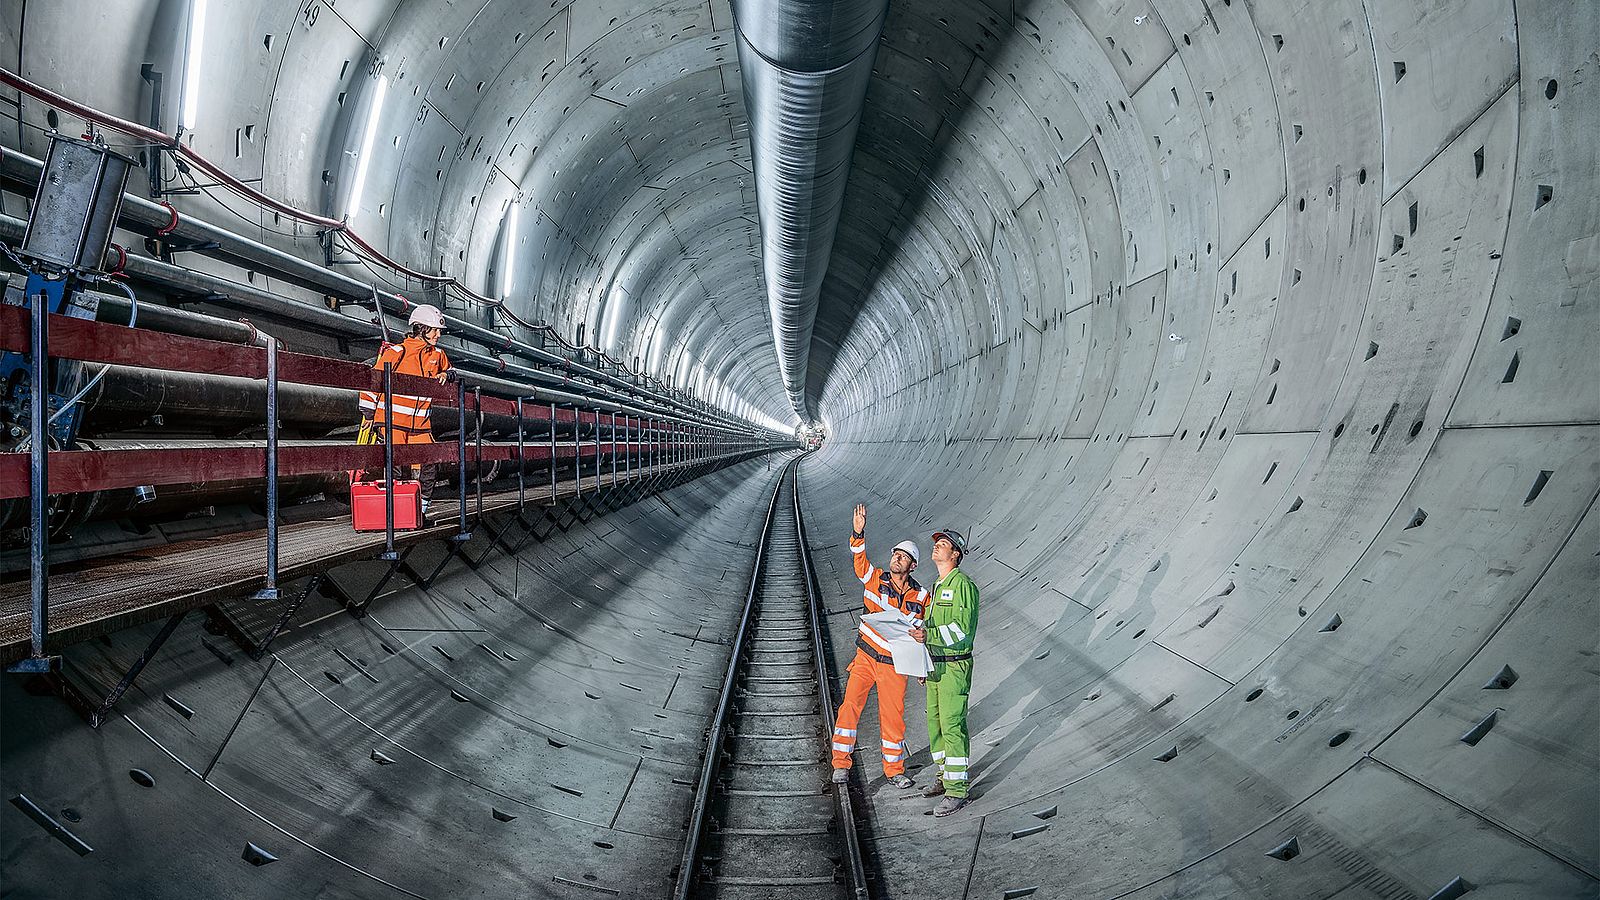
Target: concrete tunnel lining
(1213, 323)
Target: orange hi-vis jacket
(412, 356)
(880, 596)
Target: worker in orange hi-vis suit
(419, 354)
(873, 665)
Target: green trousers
(948, 685)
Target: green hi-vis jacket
(952, 617)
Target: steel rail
(853, 862)
(713, 754)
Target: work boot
(934, 790)
(902, 781)
(841, 776)
(949, 805)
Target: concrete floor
(526, 729)
(1249, 340)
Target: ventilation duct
(805, 65)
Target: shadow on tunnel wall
(914, 105)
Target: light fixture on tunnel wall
(508, 257)
(193, 46)
(368, 132)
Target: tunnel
(1244, 341)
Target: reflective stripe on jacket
(412, 356)
(880, 595)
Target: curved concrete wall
(1250, 341)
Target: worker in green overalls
(948, 628)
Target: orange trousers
(865, 673)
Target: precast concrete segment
(454, 736)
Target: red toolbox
(367, 506)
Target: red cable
(161, 139)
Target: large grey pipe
(805, 65)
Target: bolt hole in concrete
(1457, 888)
(1511, 370)
(1293, 714)
(1502, 680)
(1485, 725)
(256, 856)
(1339, 738)
(141, 778)
(1251, 697)
(1550, 88)
(1286, 851)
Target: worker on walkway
(951, 621)
(418, 355)
(874, 661)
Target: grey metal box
(77, 203)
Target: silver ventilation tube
(805, 65)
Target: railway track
(766, 822)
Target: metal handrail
(708, 770)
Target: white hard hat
(426, 315)
(910, 547)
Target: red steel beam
(77, 471)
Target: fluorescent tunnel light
(194, 44)
(508, 256)
(374, 110)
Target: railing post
(39, 487)
(552, 453)
(462, 534)
(577, 452)
(388, 463)
(613, 448)
(477, 436)
(522, 487)
(270, 591)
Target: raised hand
(861, 518)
